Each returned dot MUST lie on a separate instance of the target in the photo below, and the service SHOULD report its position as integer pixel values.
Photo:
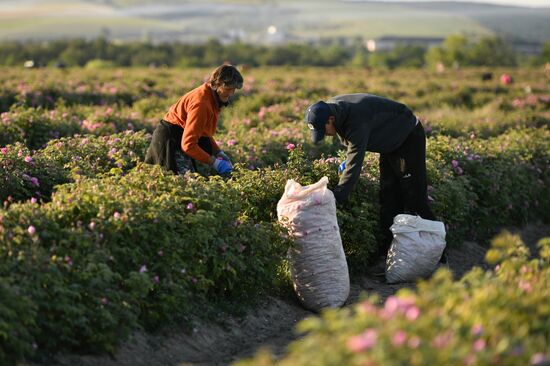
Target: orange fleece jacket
(197, 113)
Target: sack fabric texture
(416, 248)
(317, 261)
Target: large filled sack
(317, 262)
(416, 248)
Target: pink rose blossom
(363, 341)
(367, 307)
(68, 260)
(399, 338)
(400, 305)
(31, 230)
(143, 269)
(28, 159)
(414, 342)
(538, 358)
(290, 146)
(442, 340)
(412, 313)
(525, 286)
(479, 345)
(261, 112)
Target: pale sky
(536, 3)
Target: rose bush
(26, 175)
(486, 318)
(109, 254)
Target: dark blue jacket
(366, 122)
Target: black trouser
(166, 146)
(403, 183)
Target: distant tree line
(456, 50)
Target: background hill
(265, 21)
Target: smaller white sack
(317, 261)
(416, 248)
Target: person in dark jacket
(185, 133)
(366, 122)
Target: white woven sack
(317, 262)
(416, 248)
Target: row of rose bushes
(270, 99)
(30, 174)
(126, 245)
(476, 184)
(465, 88)
(110, 255)
(35, 127)
(498, 317)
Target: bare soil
(270, 325)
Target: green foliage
(486, 318)
(99, 64)
(458, 50)
(100, 53)
(25, 176)
(82, 216)
(28, 175)
(400, 56)
(17, 322)
(92, 156)
(106, 255)
(545, 54)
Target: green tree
(491, 52)
(545, 55)
(453, 51)
(77, 53)
(400, 56)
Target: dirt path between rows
(270, 325)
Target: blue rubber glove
(342, 167)
(222, 166)
(223, 155)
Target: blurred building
(387, 43)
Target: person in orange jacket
(185, 133)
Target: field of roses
(95, 244)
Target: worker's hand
(223, 155)
(342, 167)
(222, 166)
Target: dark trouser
(165, 149)
(403, 183)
